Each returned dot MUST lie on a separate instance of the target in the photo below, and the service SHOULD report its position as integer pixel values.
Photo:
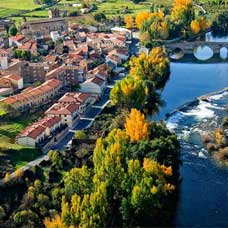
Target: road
(86, 119)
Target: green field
(16, 9)
(15, 154)
(9, 7)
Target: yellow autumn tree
(7, 177)
(153, 67)
(129, 22)
(54, 222)
(140, 17)
(182, 11)
(137, 128)
(195, 26)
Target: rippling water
(203, 198)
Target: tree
(73, 14)
(77, 181)
(100, 17)
(13, 30)
(54, 222)
(182, 12)
(26, 217)
(80, 134)
(137, 128)
(129, 93)
(153, 67)
(7, 178)
(195, 26)
(55, 158)
(129, 22)
(2, 213)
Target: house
(40, 133)
(95, 86)
(122, 31)
(41, 28)
(17, 40)
(102, 74)
(69, 113)
(55, 35)
(120, 53)
(16, 80)
(113, 59)
(85, 100)
(29, 46)
(68, 75)
(34, 97)
(4, 58)
(34, 72)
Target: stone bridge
(188, 47)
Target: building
(85, 100)
(29, 46)
(16, 80)
(40, 133)
(4, 55)
(69, 113)
(95, 86)
(53, 13)
(17, 40)
(42, 28)
(122, 31)
(34, 72)
(68, 75)
(34, 97)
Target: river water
(203, 197)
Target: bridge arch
(223, 53)
(176, 54)
(203, 52)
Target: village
(63, 67)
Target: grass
(9, 7)
(109, 7)
(18, 155)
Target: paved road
(86, 120)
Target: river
(203, 196)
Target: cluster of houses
(58, 119)
(82, 62)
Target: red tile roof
(39, 127)
(14, 77)
(17, 37)
(63, 109)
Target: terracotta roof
(96, 80)
(30, 45)
(36, 132)
(50, 58)
(33, 92)
(15, 77)
(39, 127)
(3, 51)
(74, 98)
(63, 109)
(17, 37)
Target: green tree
(78, 181)
(13, 30)
(128, 93)
(55, 158)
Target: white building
(16, 80)
(4, 59)
(69, 113)
(36, 134)
(55, 35)
(94, 86)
